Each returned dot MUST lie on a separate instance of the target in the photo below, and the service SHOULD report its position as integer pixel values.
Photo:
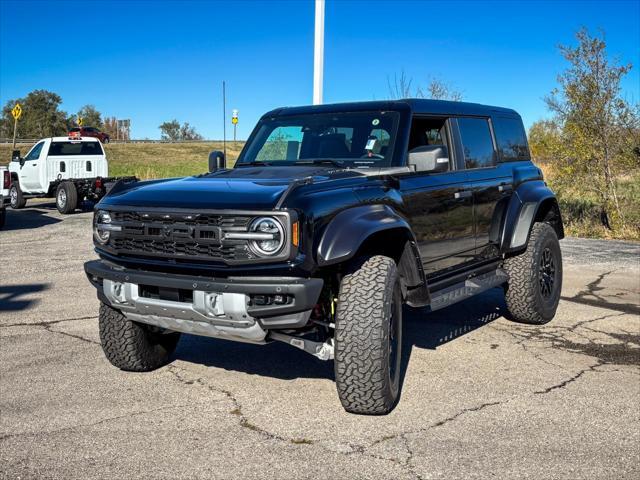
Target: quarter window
(511, 139)
(476, 142)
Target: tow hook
(323, 351)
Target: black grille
(181, 249)
(223, 221)
(180, 236)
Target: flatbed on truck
(71, 169)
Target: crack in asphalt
(91, 424)
(566, 382)
(245, 422)
(48, 326)
(51, 322)
(599, 301)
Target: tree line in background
(592, 142)
(42, 117)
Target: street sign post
(234, 120)
(17, 113)
(80, 121)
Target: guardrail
(34, 140)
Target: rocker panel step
(468, 288)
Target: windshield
(350, 140)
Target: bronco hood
(246, 188)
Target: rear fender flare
(531, 202)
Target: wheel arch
(372, 230)
(531, 202)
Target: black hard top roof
(416, 105)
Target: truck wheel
(535, 278)
(131, 346)
(66, 197)
(3, 216)
(15, 196)
(368, 338)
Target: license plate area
(162, 293)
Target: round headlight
(100, 219)
(274, 236)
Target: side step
(470, 287)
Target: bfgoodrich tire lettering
(535, 278)
(132, 346)
(368, 338)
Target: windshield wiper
(320, 161)
(254, 163)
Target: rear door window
(477, 143)
(74, 148)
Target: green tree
(594, 130)
(170, 131)
(174, 132)
(41, 116)
(91, 117)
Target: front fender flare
(350, 228)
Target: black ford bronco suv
(333, 217)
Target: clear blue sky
(155, 61)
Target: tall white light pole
(318, 53)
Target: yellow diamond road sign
(16, 111)
(234, 120)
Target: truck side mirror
(15, 156)
(216, 160)
(429, 158)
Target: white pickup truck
(5, 184)
(71, 169)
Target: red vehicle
(89, 132)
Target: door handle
(462, 194)
(505, 187)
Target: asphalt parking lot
(482, 397)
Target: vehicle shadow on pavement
(422, 329)
(28, 218)
(11, 296)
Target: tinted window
(511, 139)
(75, 129)
(34, 154)
(476, 142)
(75, 148)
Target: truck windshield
(350, 140)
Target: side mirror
(15, 156)
(429, 158)
(216, 161)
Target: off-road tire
(66, 198)
(367, 373)
(524, 296)
(17, 200)
(131, 346)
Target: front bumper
(224, 308)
